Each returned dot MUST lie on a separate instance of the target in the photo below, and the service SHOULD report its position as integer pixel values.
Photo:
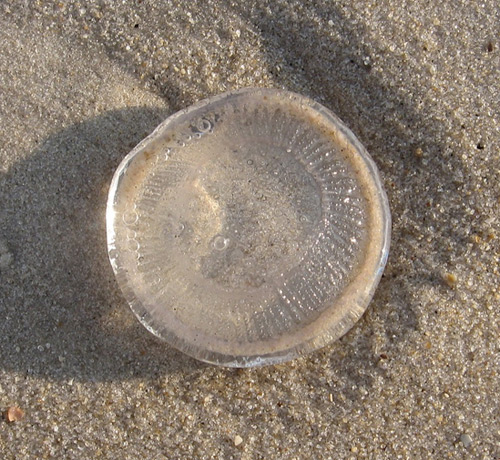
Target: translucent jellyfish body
(248, 229)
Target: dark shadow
(63, 314)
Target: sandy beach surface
(81, 83)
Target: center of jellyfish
(247, 216)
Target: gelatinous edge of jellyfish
(353, 301)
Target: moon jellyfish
(248, 229)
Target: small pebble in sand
(13, 414)
(238, 440)
(466, 440)
(450, 279)
(419, 153)
(5, 260)
(5, 256)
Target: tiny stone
(5, 260)
(450, 279)
(466, 440)
(238, 440)
(476, 238)
(13, 414)
(419, 153)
